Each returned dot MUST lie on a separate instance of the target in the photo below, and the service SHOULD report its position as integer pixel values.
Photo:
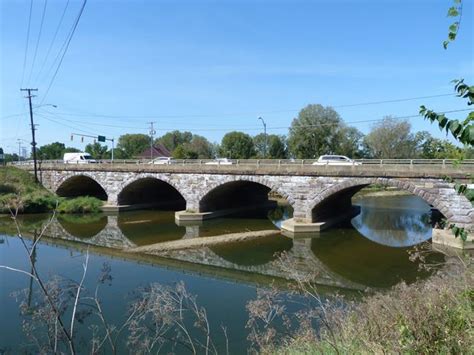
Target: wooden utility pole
(33, 143)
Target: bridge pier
(296, 227)
(192, 216)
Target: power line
(27, 43)
(53, 40)
(89, 114)
(255, 128)
(64, 124)
(38, 39)
(65, 49)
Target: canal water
(369, 252)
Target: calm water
(369, 251)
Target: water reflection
(83, 226)
(150, 226)
(374, 253)
(396, 221)
(254, 252)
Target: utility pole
(19, 148)
(265, 137)
(152, 134)
(33, 128)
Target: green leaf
(453, 12)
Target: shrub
(84, 204)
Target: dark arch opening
(398, 218)
(236, 195)
(338, 203)
(151, 192)
(81, 186)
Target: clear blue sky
(215, 66)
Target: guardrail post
(184, 162)
(302, 162)
(444, 163)
(200, 162)
(238, 161)
(279, 162)
(381, 162)
(411, 163)
(258, 163)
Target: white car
(335, 160)
(219, 161)
(162, 161)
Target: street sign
(101, 138)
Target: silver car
(335, 160)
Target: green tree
(237, 145)
(183, 152)
(133, 145)
(51, 151)
(350, 142)
(172, 140)
(97, 151)
(429, 147)
(276, 146)
(200, 146)
(316, 131)
(391, 139)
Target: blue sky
(216, 66)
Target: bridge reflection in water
(346, 257)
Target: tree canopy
(237, 145)
(132, 145)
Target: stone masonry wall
(302, 192)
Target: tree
(429, 147)
(350, 142)
(97, 151)
(276, 146)
(51, 151)
(391, 139)
(315, 132)
(200, 146)
(133, 145)
(237, 145)
(172, 140)
(183, 152)
(54, 151)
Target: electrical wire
(38, 39)
(52, 41)
(68, 42)
(259, 128)
(27, 43)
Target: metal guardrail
(269, 162)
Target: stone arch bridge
(318, 195)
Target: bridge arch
(338, 196)
(81, 185)
(151, 191)
(238, 191)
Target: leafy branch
(456, 12)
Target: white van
(78, 158)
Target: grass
(432, 316)
(18, 191)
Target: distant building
(159, 150)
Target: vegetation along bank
(19, 192)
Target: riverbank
(428, 317)
(19, 192)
